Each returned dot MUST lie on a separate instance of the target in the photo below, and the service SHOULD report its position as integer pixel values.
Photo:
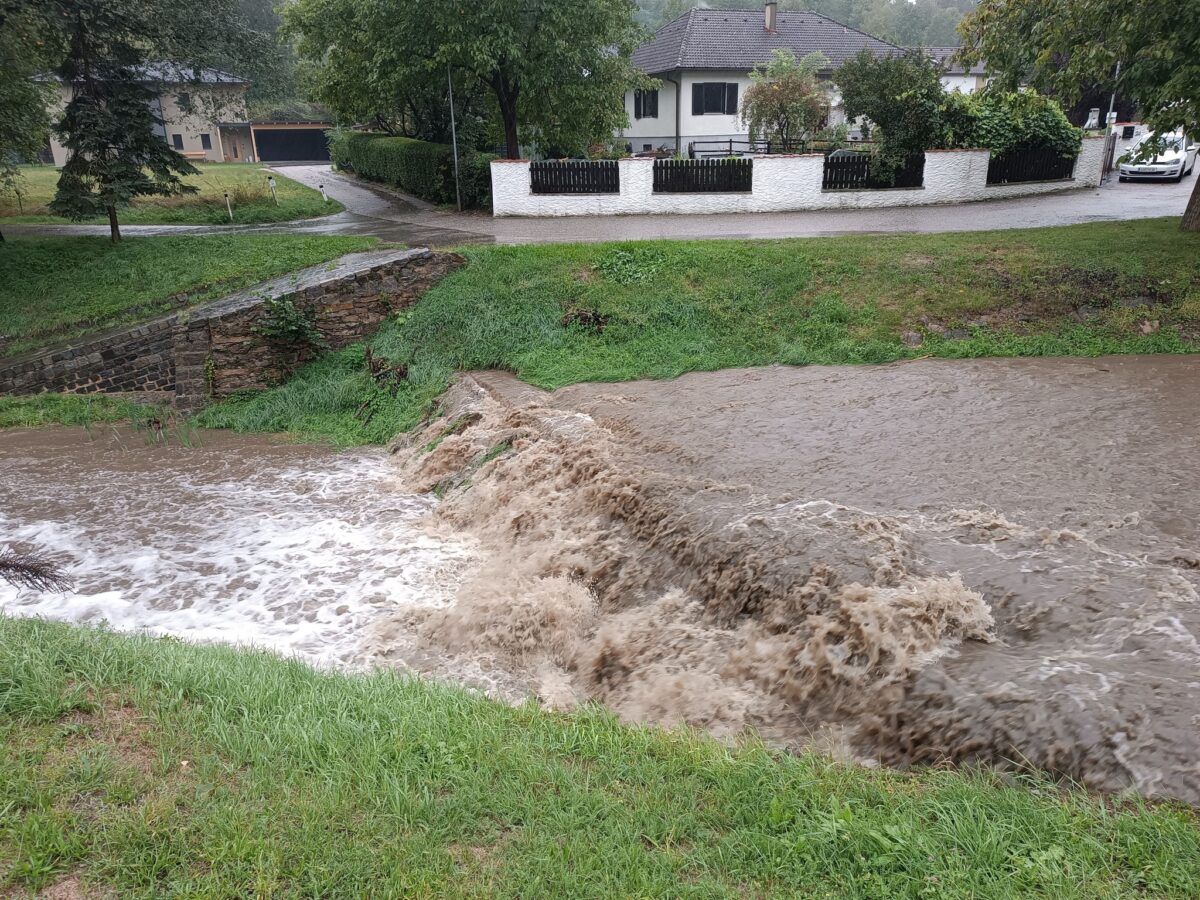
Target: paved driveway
(371, 210)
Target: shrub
(1008, 120)
(421, 168)
(902, 96)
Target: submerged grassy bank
(152, 768)
(557, 315)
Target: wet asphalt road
(374, 211)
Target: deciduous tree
(1066, 46)
(556, 71)
(24, 120)
(785, 103)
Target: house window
(206, 141)
(715, 97)
(645, 104)
(177, 141)
(646, 148)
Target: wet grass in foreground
(152, 768)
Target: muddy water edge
(993, 560)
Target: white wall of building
(707, 127)
(781, 184)
(655, 132)
(967, 84)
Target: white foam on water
(301, 559)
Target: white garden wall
(782, 184)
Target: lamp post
(454, 138)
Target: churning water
(234, 539)
(994, 560)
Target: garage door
(292, 144)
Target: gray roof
(737, 39)
(943, 56)
(168, 72)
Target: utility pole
(454, 137)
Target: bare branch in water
(32, 572)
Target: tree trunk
(1191, 216)
(512, 147)
(113, 226)
(506, 97)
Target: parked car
(1175, 158)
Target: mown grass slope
(134, 767)
(56, 288)
(557, 315)
(246, 184)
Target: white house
(955, 76)
(704, 58)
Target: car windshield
(1168, 143)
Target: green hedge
(421, 168)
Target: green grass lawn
(56, 288)
(246, 184)
(134, 767)
(556, 315)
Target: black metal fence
(703, 176)
(575, 176)
(1030, 164)
(850, 170)
(711, 149)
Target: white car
(1175, 159)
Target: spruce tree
(110, 126)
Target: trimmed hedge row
(421, 168)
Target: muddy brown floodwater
(994, 560)
(938, 560)
(230, 538)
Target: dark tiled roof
(168, 72)
(737, 39)
(943, 55)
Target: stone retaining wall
(137, 359)
(214, 350)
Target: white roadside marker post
(228, 206)
(321, 188)
(271, 185)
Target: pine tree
(110, 127)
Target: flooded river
(233, 538)
(993, 560)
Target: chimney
(771, 15)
